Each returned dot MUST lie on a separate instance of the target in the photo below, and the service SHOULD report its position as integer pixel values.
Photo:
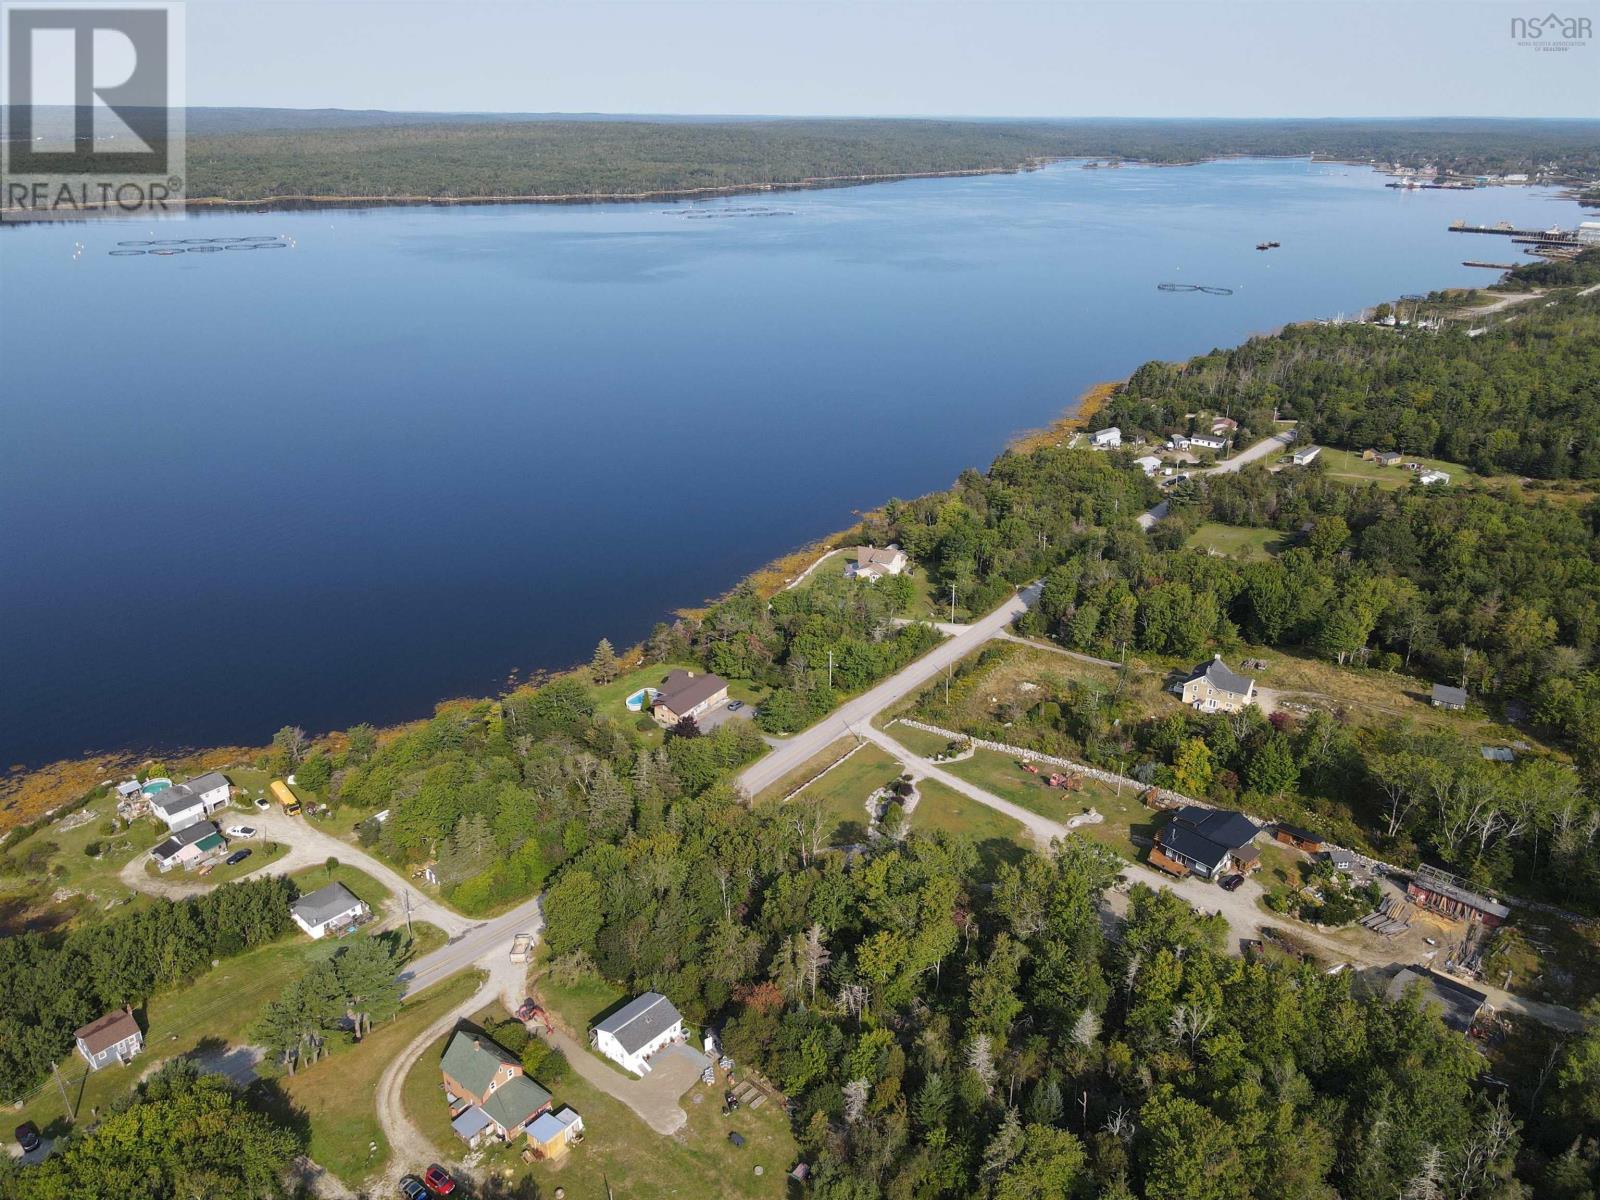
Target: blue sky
(1146, 58)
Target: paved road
(483, 944)
(796, 751)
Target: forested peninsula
(258, 155)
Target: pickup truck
(519, 947)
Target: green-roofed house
(489, 1095)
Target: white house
(1305, 454)
(327, 910)
(1197, 441)
(113, 1038)
(1428, 478)
(1149, 464)
(874, 562)
(187, 803)
(629, 1036)
(188, 846)
(1105, 439)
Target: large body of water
(412, 450)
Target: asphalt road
(796, 751)
(477, 944)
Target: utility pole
(830, 670)
(65, 1103)
(406, 892)
(947, 669)
(952, 604)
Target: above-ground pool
(637, 701)
(154, 787)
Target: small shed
(1339, 858)
(1300, 839)
(1453, 698)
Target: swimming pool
(640, 699)
(154, 787)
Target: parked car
(439, 1181)
(238, 856)
(241, 832)
(735, 705)
(1232, 883)
(412, 1188)
(28, 1137)
(261, 803)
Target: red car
(439, 1181)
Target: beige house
(685, 694)
(874, 562)
(1214, 688)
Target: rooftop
(186, 795)
(867, 556)
(682, 690)
(1217, 674)
(187, 836)
(326, 903)
(1457, 1003)
(105, 1032)
(1443, 693)
(640, 1021)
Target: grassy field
(844, 789)
(810, 768)
(918, 741)
(364, 886)
(337, 1093)
(1125, 816)
(622, 1156)
(1237, 541)
(999, 839)
(54, 861)
(576, 1004)
(1351, 467)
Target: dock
(1472, 262)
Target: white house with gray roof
(327, 910)
(183, 805)
(1214, 688)
(629, 1036)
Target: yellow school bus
(281, 793)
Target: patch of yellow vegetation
(1060, 431)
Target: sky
(1138, 58)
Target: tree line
(50, 985)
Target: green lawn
(918, 741)
(87, 884)
(999, 839)
(611, 698)
(1124, 814)
(1237, 541)
(364, 886)
(844, 791)
(622, 1156)
(336, 1094)
(1349, 465)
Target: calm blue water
(419, 449)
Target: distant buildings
(187, 803)
(1198, 441)
(1453, 698)
(1305, 455)
(873, 562)
(113, 1038)
(1300, 839)
(1149, 464)
(328, 910)
(1106, 439)
(1428, 478)
(1214, 688)
(1209, 842)
(629, 1036)
(685, 694)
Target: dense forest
(258, 154)
(1523, 397)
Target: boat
(1267, 245)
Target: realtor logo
(94, 110)
(1551, 32)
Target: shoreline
(310, 202)
(29, 793)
